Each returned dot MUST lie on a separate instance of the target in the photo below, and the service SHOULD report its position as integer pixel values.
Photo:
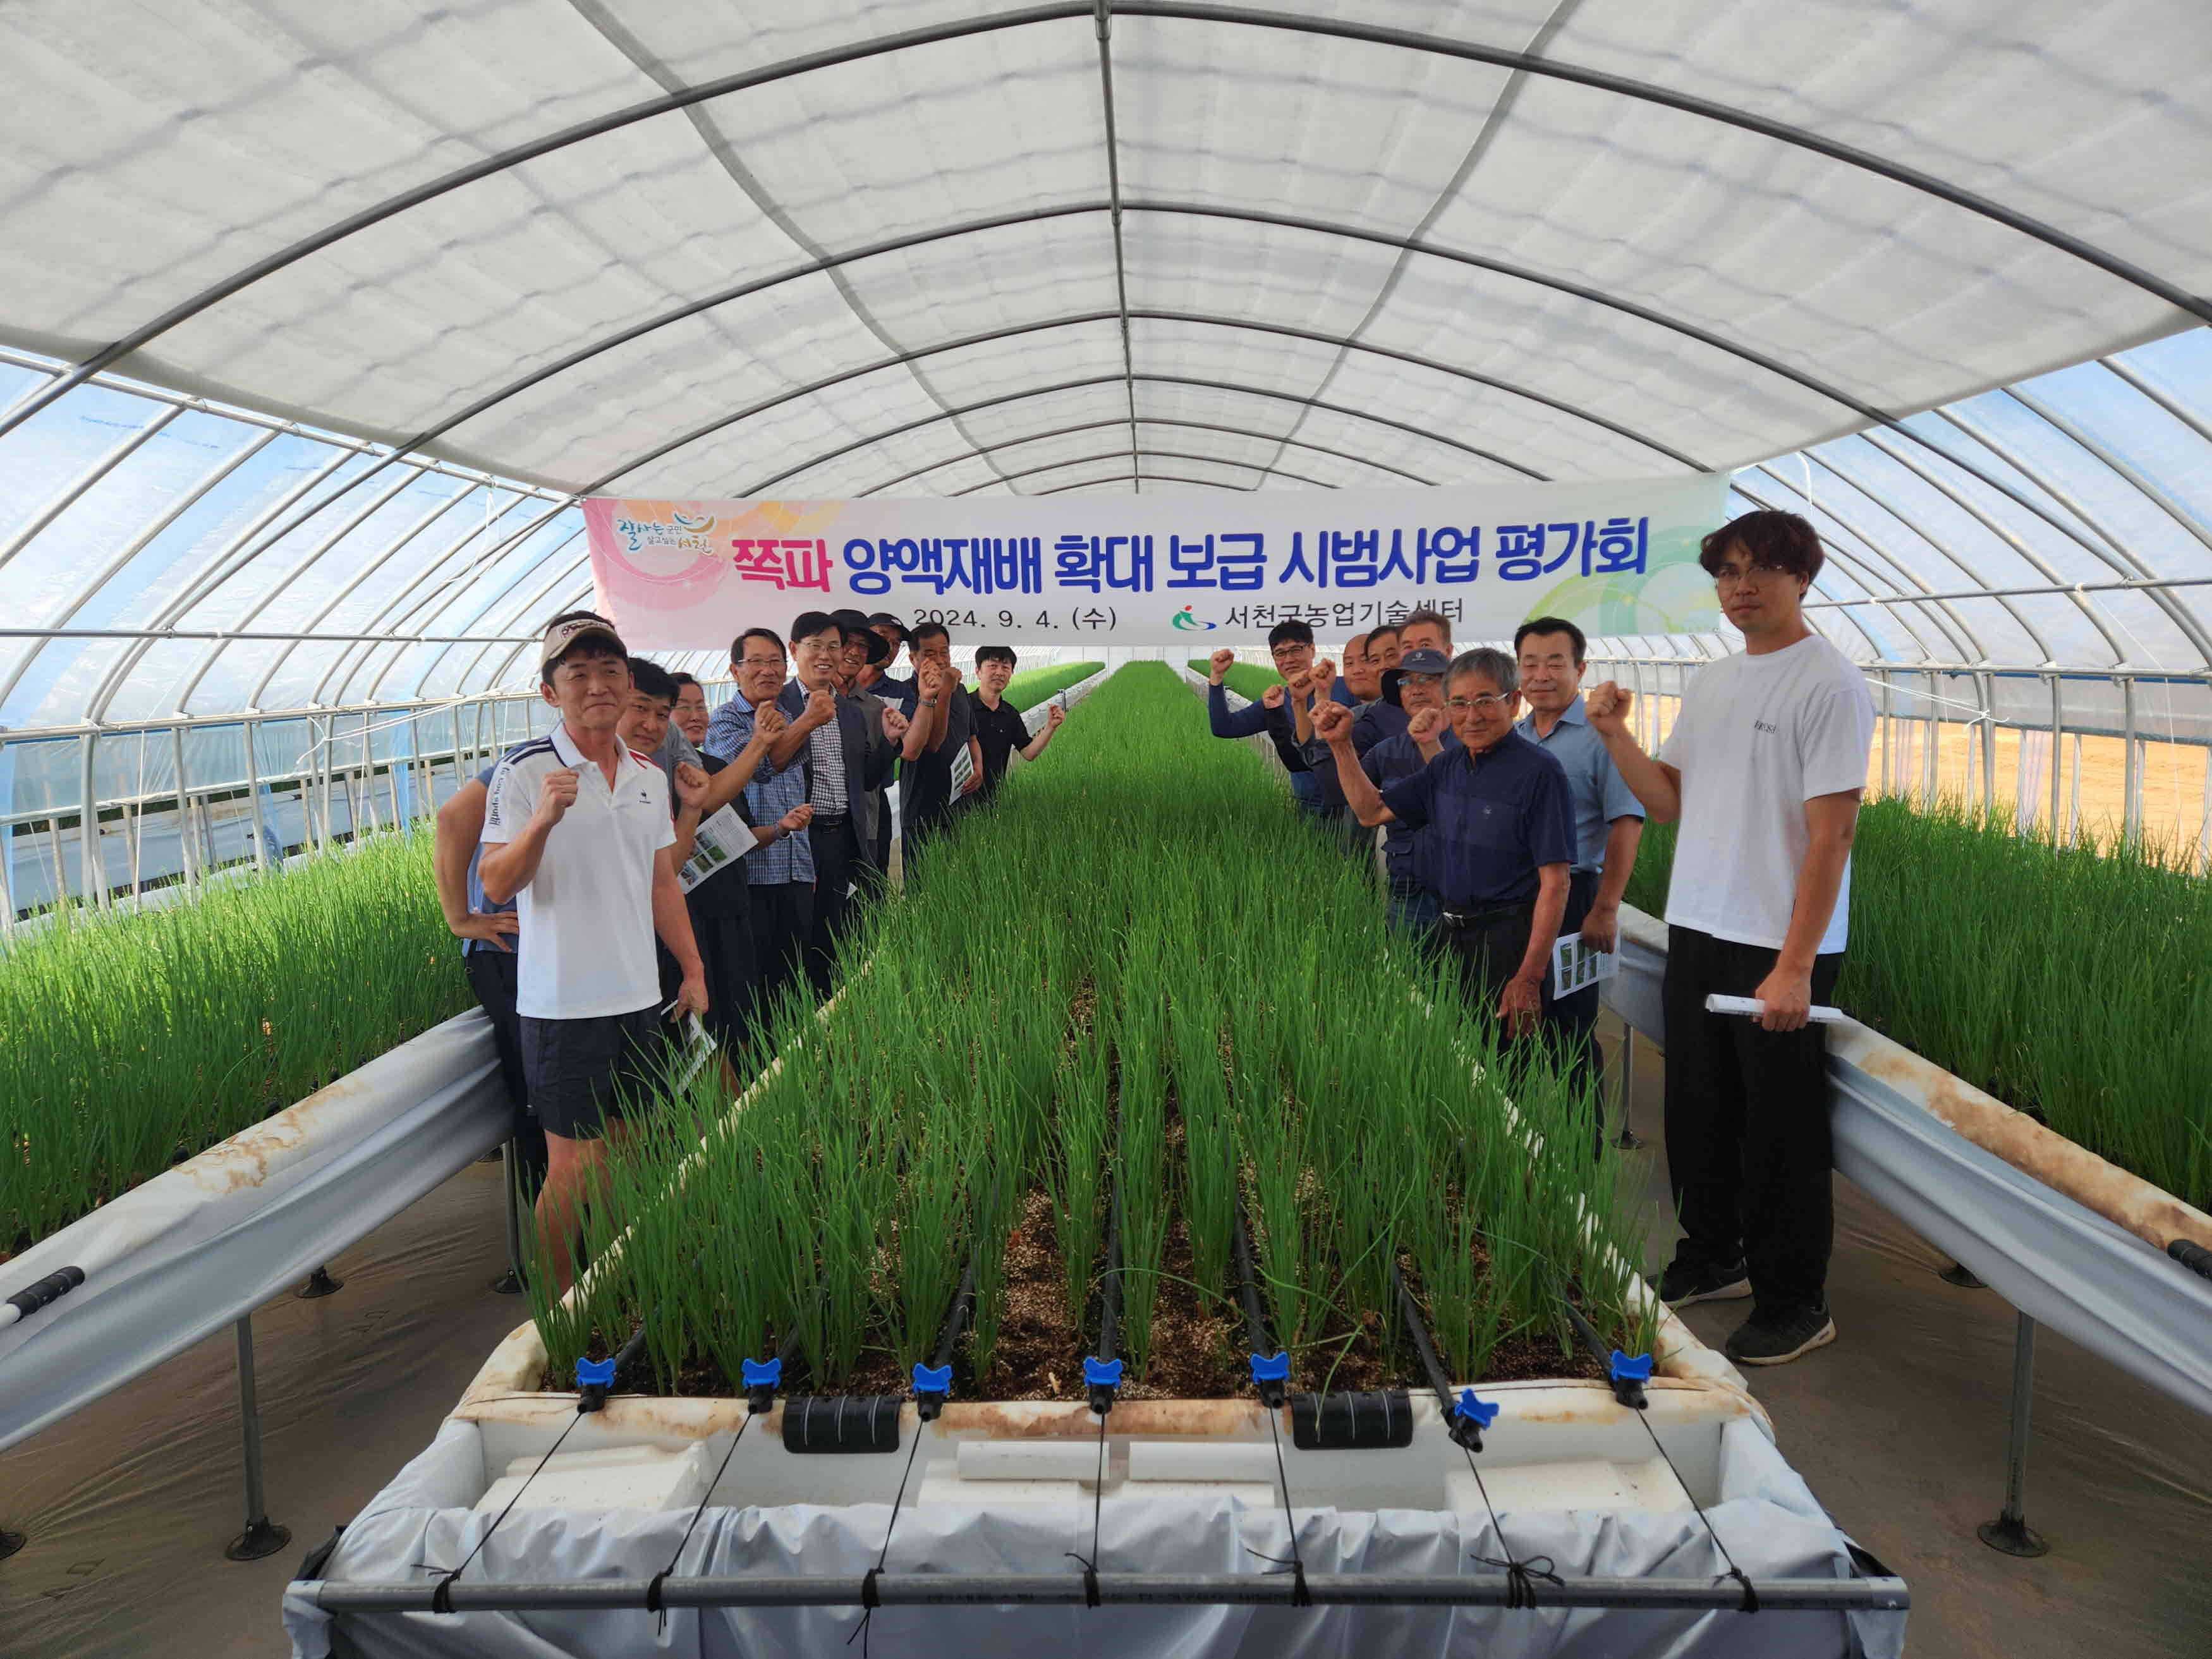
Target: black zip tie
(1521, 1575)
(653, 1592)
(1300, 1595)
(1091, 1598)
(869, 1599)
(1750, 1596)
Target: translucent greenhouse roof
(318, 319)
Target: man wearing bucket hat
(577, 829)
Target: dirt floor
(1900, 1427)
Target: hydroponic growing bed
(138, 1038)
(1114, 1010)
(1098, 1217)
(2067, 982)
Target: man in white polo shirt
(577, 830)
(1764, 768)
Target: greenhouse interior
(1172, 642)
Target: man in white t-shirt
(578, 832)
(1764, 768)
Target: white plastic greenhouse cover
(314, 320)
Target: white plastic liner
(202, 1244)
(2049, 1257)
(421, 1526)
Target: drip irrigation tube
(1885, 1595)
(1105, 1364)
(1257, 1331)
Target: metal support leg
(2010, 1532)
(1959, 1273)
(510, 1282)
(1627, 1140)
(10, 1542)
(262, 1536)
(319, 1283)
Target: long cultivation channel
(138, 1038)
(2070, 982)
(1104, 1043)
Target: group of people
(650, 860)
(1503, 835)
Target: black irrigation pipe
(1258, 1332)
(1465, 1430)
(933, 1384)
(1101, 1372)
(1697, 1594)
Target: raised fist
(1219, 663)
(1606, 708)
(895, 725)
(1322, 678)
(769, 722)
(821, 706)
(690, 786)
(1426, 726)
(1332, 721)
(556, 793)
(1053, 716)
(1273, 698)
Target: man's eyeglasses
(776, 663)
(1731, 575)
(1489, 700)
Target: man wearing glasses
(1280, 715)
(1764, 769)
(1500, 835)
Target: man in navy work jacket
(1501, 836)
(1412, 689)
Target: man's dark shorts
(582, 1072)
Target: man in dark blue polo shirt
(1500, 836)
(1317, 793)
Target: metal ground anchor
(10, 1542)
(2010, 1533)
(319, 1283)
(1961, 1274)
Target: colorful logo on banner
(1615, 558)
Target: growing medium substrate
(1126, 982)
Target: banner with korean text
(1147, 570)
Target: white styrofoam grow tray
(1011, 1486)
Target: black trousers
(492, 977)
(838, 863)
(782, 915)
(725, 939)
(1748, 1149)
(1490, 953)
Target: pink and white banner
(1614, 558)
